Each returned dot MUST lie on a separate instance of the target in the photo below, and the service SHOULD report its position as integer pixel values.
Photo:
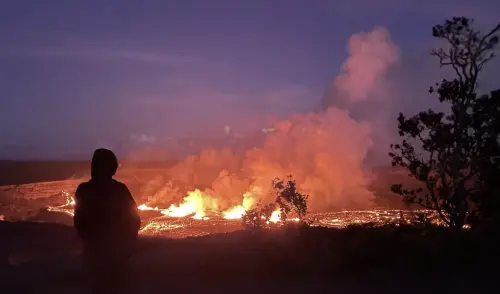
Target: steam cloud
(323, 151)
(370, 57)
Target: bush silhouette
(290, 202)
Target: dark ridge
(13, 172)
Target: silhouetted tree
(289, 199)
(486, 119)
(458, 145)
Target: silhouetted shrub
(289, 201)
(258, 218)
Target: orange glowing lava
(195, 205)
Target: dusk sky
(76, 75)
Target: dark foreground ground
(43, 258)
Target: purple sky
(76, 75)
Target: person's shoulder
(119, 185)
(120, 188)
(82, 188)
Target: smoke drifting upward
(365, 88)
(370, 57)
(324, 152)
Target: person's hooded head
(104, 164)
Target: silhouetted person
(107, 220)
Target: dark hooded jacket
(105, 212)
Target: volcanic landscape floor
(44, 202)
(189, 227)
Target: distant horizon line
(82, 160)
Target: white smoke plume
(324, 152)
(371, 55)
